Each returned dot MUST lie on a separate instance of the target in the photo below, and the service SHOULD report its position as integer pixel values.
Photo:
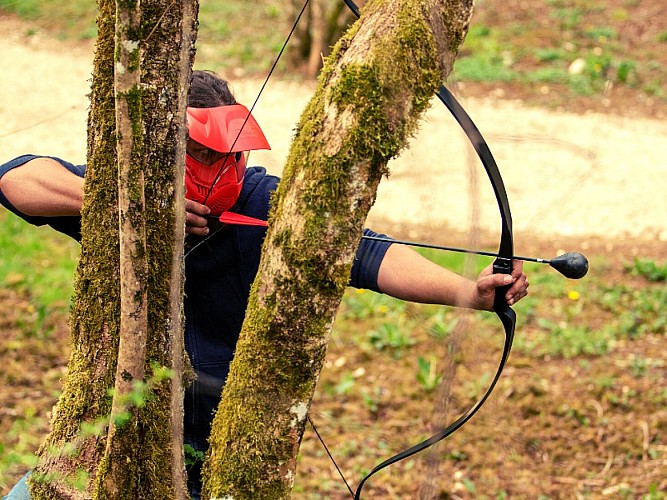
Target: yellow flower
(573, 295)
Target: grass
(39, 263)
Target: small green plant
(391, 336)
(427, 373)
(626, 72)
(193, 456)
(638, 366)
(475, 388)
(363, 304)
(601, 33)
(442, 323)
(345, 385)
(550, 55)
(371, 400)
(648, 269)
(568, 18)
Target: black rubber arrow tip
(571, 265)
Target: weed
(564, 340)
(345, 385)
(427, 374)
(648, 269)
(363, 304)
(601, 33)
(391, 336)
(626, 72)
(475, 388)
(550, 55)
(567, 18)
(638, 366)
(371, 400)
(442, 323)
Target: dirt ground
(576, 180)
(567, 174)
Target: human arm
(407, 275)
(43, 187)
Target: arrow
(571, 264)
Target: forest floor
(583, 173)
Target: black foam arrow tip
(571, 265)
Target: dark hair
(208, 90)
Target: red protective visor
(222, 129)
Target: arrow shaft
(451, 249)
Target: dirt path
(573, 175)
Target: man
(221, 264)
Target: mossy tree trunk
(374, 87)
(143, 458)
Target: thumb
(494, 281)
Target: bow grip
(501, 265)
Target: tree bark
(374, 87)
(133, 259)
(144, 458)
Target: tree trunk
(144, 457)
(374, 87)
(318, 36)
(133, 259)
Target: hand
(195, 218)
(484, 289)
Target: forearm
(43, 187)
(406, 275)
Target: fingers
(195, 218)
(519, 288)
(518, 285)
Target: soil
(582, 174)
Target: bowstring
(333, 460)
(259, 94)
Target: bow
(503, 264)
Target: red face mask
(230, 130)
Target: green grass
(71, 19)
(561, 318)
(37, 261)
(229, 32)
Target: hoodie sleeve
(367, 262)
